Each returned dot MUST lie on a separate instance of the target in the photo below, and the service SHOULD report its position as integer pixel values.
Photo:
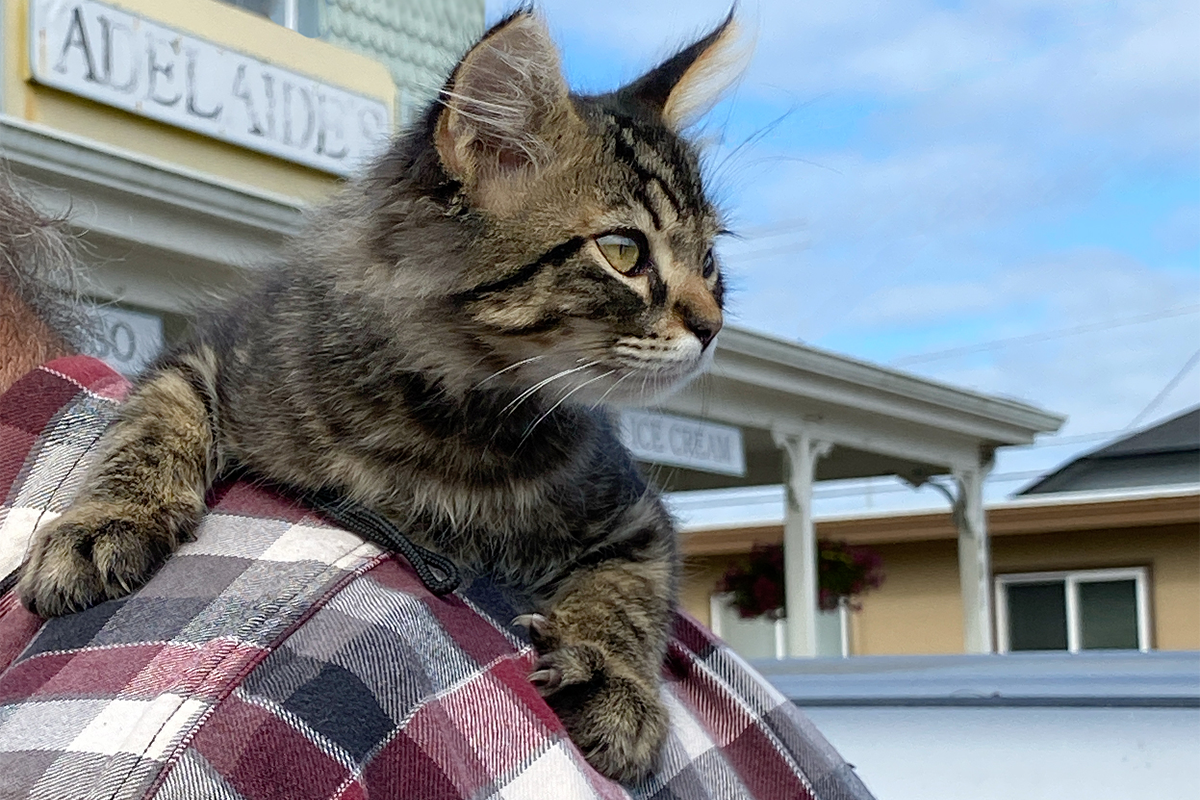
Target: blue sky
(1017, 179)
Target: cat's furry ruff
(434, 345)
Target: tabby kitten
(434, 346)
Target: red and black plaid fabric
(277, 656)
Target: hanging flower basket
(844, 573)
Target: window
(766, 638)
(298, 15)
(1100, 609)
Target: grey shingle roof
(1176, 434)
(1165, 454)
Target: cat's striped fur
(435, 345)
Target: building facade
(1103, 553)
(184, 138)
(417, 40)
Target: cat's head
(584, 259)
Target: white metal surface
(291, 14)
(1026, 753)
(122, 60)
(1098, 725)
(879, 395)
(165, 237)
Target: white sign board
(116, 58)
(681, 442)
(128, 340)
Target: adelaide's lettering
(114, 57)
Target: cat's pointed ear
(682, 88)
(503, 102)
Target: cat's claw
(89, 555)
(546, 681)
(541, 632)
(615, 718)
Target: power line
(889, 488)
(996, 344)
(775, 498)
(778, 229)
(1166, 390)
(1056, 441)
(766, 252)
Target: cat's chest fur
(486, 477)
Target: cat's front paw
(94, 552)
(614, 715)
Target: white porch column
(800, 540)
(974, 559)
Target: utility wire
(767, 252)
(778, 229)
(1166, 390)
(996, 344)
(774, 499)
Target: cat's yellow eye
(622, 252)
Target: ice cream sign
(681, 442)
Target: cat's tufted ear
(503, 103)
(690, 82)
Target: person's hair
(39, 264)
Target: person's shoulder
(40, 402)
(56, 383)
(50, 421)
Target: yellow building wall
(918, 610)
(219, 23)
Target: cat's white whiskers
(561, 400)
(499, 372)
(616, 383)
(511, 407)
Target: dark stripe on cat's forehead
(657, 157)
(626, 149)
(553, 257)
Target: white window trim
(716, 602)
(1071, 580)
(717, 599)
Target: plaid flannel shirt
(277, 656)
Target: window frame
(718, 600)
(1071, 580)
